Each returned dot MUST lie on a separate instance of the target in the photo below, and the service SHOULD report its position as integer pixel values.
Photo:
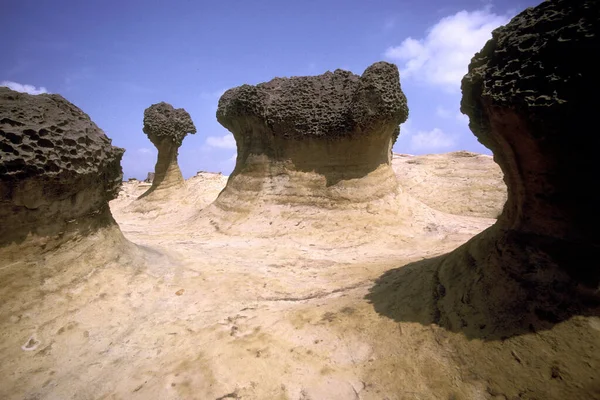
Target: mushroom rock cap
(163, 122)
(336, 123)
(57, 168)
(335, 104)
(166, 128)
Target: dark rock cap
(333, 104)
(46, 138)
(162, 121)
(543, 63)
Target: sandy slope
(461, 182)
(192, 313)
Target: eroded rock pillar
(166, 128)
(321, 142)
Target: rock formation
(529, 284)
(530, 96)
(318, 142)
(534, 120)
(166, 128)
(58, 171)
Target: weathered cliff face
(166, 128)
(58, 170)
(322, 142)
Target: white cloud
(405, 128)
(24, 88)
(443, 56)
(221, 142)
(145, 150)
(445, 113)
(433, 140)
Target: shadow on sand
(484, 292)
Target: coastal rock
(530, 96)
(58, 170)
(314, 142)
(166, 128)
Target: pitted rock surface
(335, 104)
(166, 128)
(163, 122)
(46, 137)
(58, 170)
(539, 63)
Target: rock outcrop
(166, 128)
(528, 285)
(311, 144)
(530, 96)
(58, 171)
(149, 178)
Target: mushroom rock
(316, 142)
(526, 289)
(166, 128)
(530, 96)
(525, 97)
(58, 171)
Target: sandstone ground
(192, 314)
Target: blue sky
(113, 59)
